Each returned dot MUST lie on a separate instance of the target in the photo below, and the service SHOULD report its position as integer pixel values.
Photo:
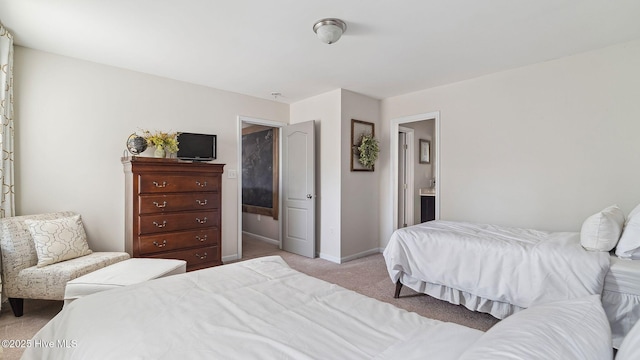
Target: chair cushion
(58, 240)
(49, 282)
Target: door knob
(309, 196)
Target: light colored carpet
(367, 276)
(36, 314)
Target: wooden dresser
(173, 210)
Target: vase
(159, 152)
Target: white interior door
(402, 180)
(405, 177)
(298, 187)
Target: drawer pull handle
(164, 204)
(164, 223)
(164, 243)
(201, 239)
(156, 184)
(201, 184)
(202, 202)
(201, 257)
(201, 221)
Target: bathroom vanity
(427, 205)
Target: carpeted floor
(36, 314)
(366, 275)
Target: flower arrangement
(369, 150)
(162, 140)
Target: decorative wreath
(369, 150)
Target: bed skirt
(472, 302)
(623, 311)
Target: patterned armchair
(22, 279)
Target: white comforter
(256, 309)
(508, 265)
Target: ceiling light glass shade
(329, 30)
(329, 34)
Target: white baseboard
(226, 259)
(333, 259)
(341, 260)
(262, 238)
(362, 254)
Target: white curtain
(7, 205)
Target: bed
(263, 309)
(494, 269)
(621, 296)
(457, 262)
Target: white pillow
(58, 240)
(601, 231)
(633, 213)
(629, 245)
(568, 329)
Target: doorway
(292, 219)
(259, 222)
(426, 175)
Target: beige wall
(542, 146)
(360, 196)
(347, 201)
(73, 118)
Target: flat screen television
(196, 147)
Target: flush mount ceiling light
(329, 30)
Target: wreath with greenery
(368, 150)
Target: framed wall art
(425, 152)
(358, 130)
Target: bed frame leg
(398, 287)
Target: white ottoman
(127, 272)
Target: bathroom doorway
(405, 176)
(425, 167)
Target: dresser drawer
(165, 183)
(150, 204)
(173, 210)
(151, 244)
(153, 224)
(195, 258)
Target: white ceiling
(257, 47)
